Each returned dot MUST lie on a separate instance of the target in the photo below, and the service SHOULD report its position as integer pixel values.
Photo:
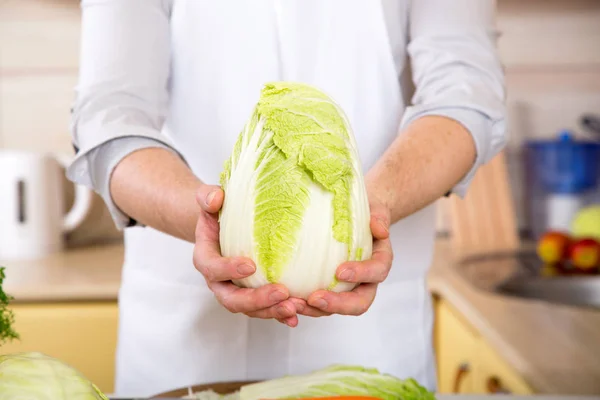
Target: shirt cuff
(488, 135)
(101, 162)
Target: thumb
(210, 198)
(380, 222)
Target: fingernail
(282, 311)
(277, 295)
(347, 274)
(320, 303)
(245, 269)
(210, 197)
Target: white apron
(172, 332)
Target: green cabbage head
(36, 376)
(295, 198)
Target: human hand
(269, 301)
(368, 274)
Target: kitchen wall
(550, 48)
(39, 51)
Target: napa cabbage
(295, 196)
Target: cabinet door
(456, 345)
(82, 335)
(495, 376)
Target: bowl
(218, 387)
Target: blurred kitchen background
(66, 305)
(550, 48)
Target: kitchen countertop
(82, 274)
(556, 349)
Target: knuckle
(229, 304)
(200, 263)
(197, 258)
(209, 274)
(205, 271)
(383, 274)
(362, 308)
(274, 314)
(362, 305)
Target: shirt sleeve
(457, 72)
(122, 90)
(103, 159)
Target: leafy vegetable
(338, 380)
(35, 376)
(295, 199)
(7, 318)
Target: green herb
(7, 318)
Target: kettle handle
(82, 202)
(591, 122)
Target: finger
(209, 262)
(292, 322)
(245, 300)
(210, 198)
(207, 254)
(374, 270)
(380, 220)
(304, 309)
(380, 226)
(280, 311)
(356, 302)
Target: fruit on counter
(586, 223)
(584, 254)
(295, 196)
(337, 380)
(553, 247)
(549, 270)
(36, 376)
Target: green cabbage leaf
(338, 380)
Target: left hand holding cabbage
(266, 302)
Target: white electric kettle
(33, 223)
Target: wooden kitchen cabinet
(466, 362)
(456, 346)
(494, 375)
(84, 335)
